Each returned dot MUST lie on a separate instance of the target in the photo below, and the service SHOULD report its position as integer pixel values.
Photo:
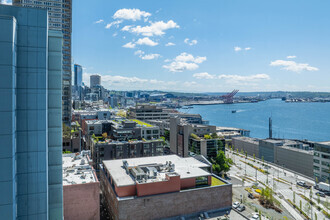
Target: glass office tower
(78, 82)
(30, 109)
(60, 18)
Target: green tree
(214, 135)
(294, 197)
(318, 199)
(300, 205)
(254, 157)
(315, 216)
(66, 131)
(220, 163)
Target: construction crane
(229, 98)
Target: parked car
(251, 196)
(241, 208)
(320, 194)
(255, 217)
(303, 184)
(236, 205)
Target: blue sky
(216, 45)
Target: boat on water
(233, 111)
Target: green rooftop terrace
(141, 123)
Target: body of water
(290, 120)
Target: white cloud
(99, 21)
(180, 66)
(293, 66)
(204, 75)
(237, 78)
(144, 56)
(129, 45)
(138, 52)
(115, 34)
(6, 2)
(184, 61)
(154, 29)
(190, 42)
(291, 57)
(127, 28)
(169, 44)
(150, 56)
(114, 23)
(146, 41)
(237, 48)
(186, 57)
(130, 14)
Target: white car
(236, 205)
(255, 216)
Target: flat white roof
(76, 172)
(187, 167)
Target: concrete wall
(82, 201)
(266, 150)
(168, 204)
(295, 160)
(247, 146)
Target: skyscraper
(78, 81)
(77, 75)
(30, 109)
(60, 18)
(95, 80)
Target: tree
(318, 199)
(262, 158)
(66, 131)
(214, 135)
(105, 135)
(294, 197)
(220, 163)
(254, 157)
(300, 205)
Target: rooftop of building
(219, 129)
(311, 152)
(325, 143)
(184, 167)
(248, 139)
(77, 170)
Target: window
(316, 168)
(316, 161)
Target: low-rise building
(322, 161)
(148, 112)
(162, 187)
(246, 144)
(81, 188)
(111, 149)
(181, 133)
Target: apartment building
(162, 187)
(59, 19)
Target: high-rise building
(77, 75)
(95, 80)
(60, 18)
(30, 108)
(77, 85)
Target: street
(282, 182)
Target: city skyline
(215, 47)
